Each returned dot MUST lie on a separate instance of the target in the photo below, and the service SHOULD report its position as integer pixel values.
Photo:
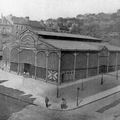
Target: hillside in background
(102, 25)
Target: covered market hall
(59, 57)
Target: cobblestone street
(101, 109)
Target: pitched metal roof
(78, 45)
(71, 45)
(107, 45)
(67, 35)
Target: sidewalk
(92, 89)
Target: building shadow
(12, 100)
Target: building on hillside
(11, 26)
(60, 57)
(5, 26)
(14, 25)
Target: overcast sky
(44, 9)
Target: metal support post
(47, 54)
(108, 61)
(75, 55)
(116, 66)
(87, 65)
(18, 62)
(98, 64)
(58, 81)
(102, 79)
(35, 64)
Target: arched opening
(67, 67)
(81, 65)
(6, 58)
(27, 62)
(103, 60)
(14, 59)
(41, 65)
(53, 63)
(112, 62)
(93, 64)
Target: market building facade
(59, 57)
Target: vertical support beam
(9, 63)
(75, 55)
(47, 54)
(87, 64)
(18, 70)
(77, 103)
(116, 61)
(98, 63)
(116, 66)
(108, 61)
(35, 64)
(59, 66)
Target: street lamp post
(102, 79)
(117, 75)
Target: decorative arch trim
(27, 56)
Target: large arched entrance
(6, 58)
(27, 62)
(67, 67)
(53, 63)
(81, 65)
(41, 65)
(14, 58)
(103, 60)
(93, 63)
(112, 61)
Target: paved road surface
(11, 101)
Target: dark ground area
(12, 100)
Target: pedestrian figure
(46, 101)
(102, 79)
(63, 103)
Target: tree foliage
(101, 25)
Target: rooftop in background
(66, 36)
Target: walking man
(46, 101)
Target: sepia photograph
(59, 59)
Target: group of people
(63, 103)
